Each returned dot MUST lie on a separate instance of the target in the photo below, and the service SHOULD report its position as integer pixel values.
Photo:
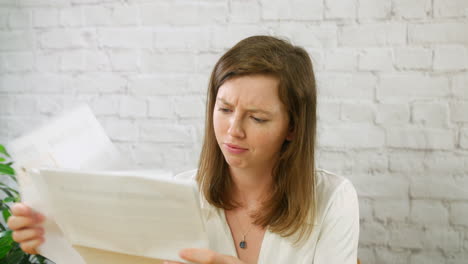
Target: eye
(224, 110)
(258, 120)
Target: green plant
(10, 251)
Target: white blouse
(334, 239)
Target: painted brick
(71, 17)
(370, 162)
(124, 60)
(318, 37)
(105, 105)
(406, 236)
(167, 63)
(6, 105)
(187, 13)
(430, 114)
(328, 112)
(340, 9)
(24, 105)
(18, 61)
(445, 239)
(15, 40)
(110, 15)
(97, 60)
(67, 38)
(341, 59)
(160, 107)
(381, 186)
(459, 213)
(165, 133)
(376, 60)
(45, 83)
(407, 162)
(373, 234)
(194, 38)
(73, 60)
(244, 11)
(295, 9)
(459, 86)
(45, 17)
(393, 210)
(156, 84)
(374, 9)
(413, 58)
(402, 86)
(351, 137)
(438, 187)
(358, 112)
(443, 32)
(19, 19)
(51, 104)
(125, 38)
(372, 34)
(459, 111)
(121, 130)
(133, 107)
(97, 83)
(450, 8)
(447, 58)
(392, 113)
(412, 9)
(464, 138)
(427, 258)
(428, 212)
(366, 209)
(226, 37)
(386, 255)
(339, 85)
(416, 138)
(189, 107)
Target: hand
(205, 256)
(25, 224)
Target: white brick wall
(392, 82)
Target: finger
(28, 234)
(19, 222)
(206, 256)
(20, 209)
(30, 246)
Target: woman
(263, 199)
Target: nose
(236, 127)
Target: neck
(251, 186)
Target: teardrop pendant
(243, 244)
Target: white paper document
(137, 214)
(76, 141)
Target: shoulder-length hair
(290, 209)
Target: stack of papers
(95, 214)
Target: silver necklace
(243, 243)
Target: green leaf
(6, 214)
(2, 159)
(9, 199)
(6, 169)
(15, 257)
(6, 243)
(3, 151)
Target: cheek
(218, 124)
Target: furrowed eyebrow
(253, 110)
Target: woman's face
(250, 122)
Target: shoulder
(334, 191)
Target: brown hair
(291, 207)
